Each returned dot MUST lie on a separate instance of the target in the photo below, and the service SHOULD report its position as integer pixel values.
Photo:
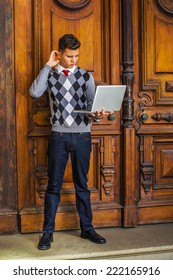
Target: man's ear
(60, 54)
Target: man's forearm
(39, 85)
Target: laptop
(109, 96)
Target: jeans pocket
(55, 135)
(85, 136)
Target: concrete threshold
(142, 242)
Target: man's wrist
(94, 118)
(50, 65)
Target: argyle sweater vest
(66, 94)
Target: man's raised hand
(53, 59)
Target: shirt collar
(60, 68)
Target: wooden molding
(73, 5)
(127, 63)
(166, 6)
(8, 220)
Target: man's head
(68, 41)
(68, 50)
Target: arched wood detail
(72, 4)
(166, 6)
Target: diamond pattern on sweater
(68, 97)
(67, 85)
(67, 94)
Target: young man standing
(69, 87)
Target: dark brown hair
(68, 41)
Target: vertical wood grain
(8, 184)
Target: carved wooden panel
(157, 33)
(102, 176)
(156, 168)
(163, 163)
(54, 18)
(103, 182)
(154, 116)
(155, 204)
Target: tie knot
(65, 71)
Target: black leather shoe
(93, 236)
(45, 241)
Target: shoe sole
(86, 237)
(46, 248)
(41, 248)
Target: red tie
(65, 71)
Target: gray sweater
(75, 91)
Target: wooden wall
(8, 184)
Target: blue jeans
(78, 145)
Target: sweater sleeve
(39, 85)
(90, 91)
(90, 97)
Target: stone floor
(142, 242)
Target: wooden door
(130, 177)
(154, 96)
(38, 25)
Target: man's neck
(60, 68)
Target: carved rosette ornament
(145, 101)
(166, 6)
(72, 4)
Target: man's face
(69, 58)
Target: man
(69, 87)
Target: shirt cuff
(94, 119)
